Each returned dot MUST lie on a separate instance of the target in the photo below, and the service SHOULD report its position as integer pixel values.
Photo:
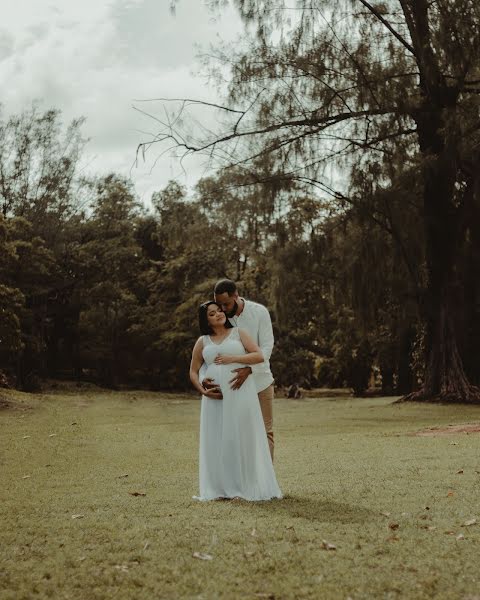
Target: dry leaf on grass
(428, 527)
(327, 546)
(460, 472)
(26, 477)
(470, 522)
(450, 493)
(393, 526)
(124, 475)
(460, 536)
(52, 435)
(202, 556)
(385, 514)
(25, 437)
(253, 533)
(77, 516)
(137, 493)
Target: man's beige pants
(266, 404)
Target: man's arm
(265, 339)
(265, 342)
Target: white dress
(235, 459)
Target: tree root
(470, 396)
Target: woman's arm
(253, 357)
(195, 364)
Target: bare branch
(190, 101)
(375, 12)
(315, 122)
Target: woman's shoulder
(241, 332)
(200, 342)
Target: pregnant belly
(214, 372)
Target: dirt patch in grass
(13, 404)
(449, 430)
(4, 403)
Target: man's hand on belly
(241, 375)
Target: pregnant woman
(235, 460)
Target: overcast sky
(93, 57)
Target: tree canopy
(346, 199)
(375, 106)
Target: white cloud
(93, 58)
(7, 44)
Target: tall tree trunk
(444, 379)
(471, 347)
(405, 382)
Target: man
(255, 319)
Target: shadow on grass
(316, 509)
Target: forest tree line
(386, 94)
(95, 286)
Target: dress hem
(239, 496)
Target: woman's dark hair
(205, 328)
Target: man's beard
(233, 312)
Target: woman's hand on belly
(225, 359)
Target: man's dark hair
(205, 328)
(225, 285)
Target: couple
(230, 368)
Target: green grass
(341, 464)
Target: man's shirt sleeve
(265, 339)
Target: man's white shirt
(255, 320)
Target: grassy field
(396, 506)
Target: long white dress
(235, 459)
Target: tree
(352, 83)
(11, 302)
(110, 260)
(28, 273)
(186, 254)
(40, 198)
(38, 164)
